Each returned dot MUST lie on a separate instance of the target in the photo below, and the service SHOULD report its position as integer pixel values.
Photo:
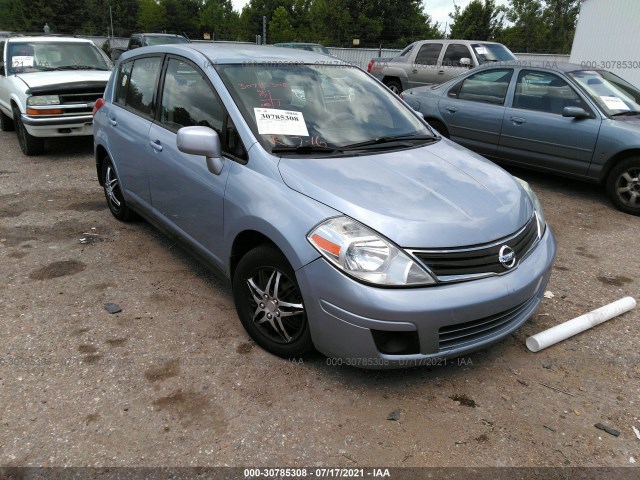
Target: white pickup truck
(48, 86)
(435, 61)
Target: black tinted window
(187, 99)
(428, 54)
(454, 53)
(142, 84)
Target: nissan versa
(344, 223)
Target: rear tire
(394, 85)
(623, 185)
(269, 303)
(6, 123)
(29, 144)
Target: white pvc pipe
(556, 334)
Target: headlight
(537, 206)
(362, 253)
(39, 100)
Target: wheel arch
(614, 160)
(244, 242)
(101, 154)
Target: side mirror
(575, 112)
(465, 62)
(202, 141)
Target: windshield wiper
(304, 149)
(628, 113)
(390, 139)
(77, 67)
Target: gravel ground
(173, 380)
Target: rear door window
(137, 83)
(428, 54)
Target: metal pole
(111, 17)
(264, 30)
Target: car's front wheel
(113, 193)
(269, 303)
(623, 185)
(29, 144)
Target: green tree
(182, 16)
(527, 32)
(477, 21)
(560, 17)
(13, 15)
(280, 29)
(217, 17)
(152, 17)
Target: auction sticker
(22, 61)
(614, 103)
(280, 122)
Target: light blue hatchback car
(343, 221)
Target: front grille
(458, 264)
(453, 336)
(80, 97)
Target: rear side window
(428, 54)
(454, 53)
(486, 87)
(137, 82)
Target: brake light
(98, 105)
(370, 65)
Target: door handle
(451, 109)
(415, 70)
(156, 145)
(440, 72)
(113, 122)
(518, 120)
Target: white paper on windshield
(481, 50)
(614, 103)
(280, 122)
(22, 61)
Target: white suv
(48, 86)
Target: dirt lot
(173, 379)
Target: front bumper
(58, 126)
(445, 321)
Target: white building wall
(608, 37)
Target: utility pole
(264, 30)
(111, 17)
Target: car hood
(54, 79)
(436, 196)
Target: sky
(438, 9)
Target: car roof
(49, 39)
(158, 35)
(244, 53)
(538, 64)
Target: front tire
(6, 123)
(113, 193)
(29, 144)
(269, 303)
(623, 185)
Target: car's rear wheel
(623, 185)
(29, 144)
(394, 85)
(113, 193)
(269, 303)
(6, 123)
(439, 127)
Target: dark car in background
(558, 118)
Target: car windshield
(25, 57)
(164, 40)
(613, 95)
(492, 52)
(320, 108)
